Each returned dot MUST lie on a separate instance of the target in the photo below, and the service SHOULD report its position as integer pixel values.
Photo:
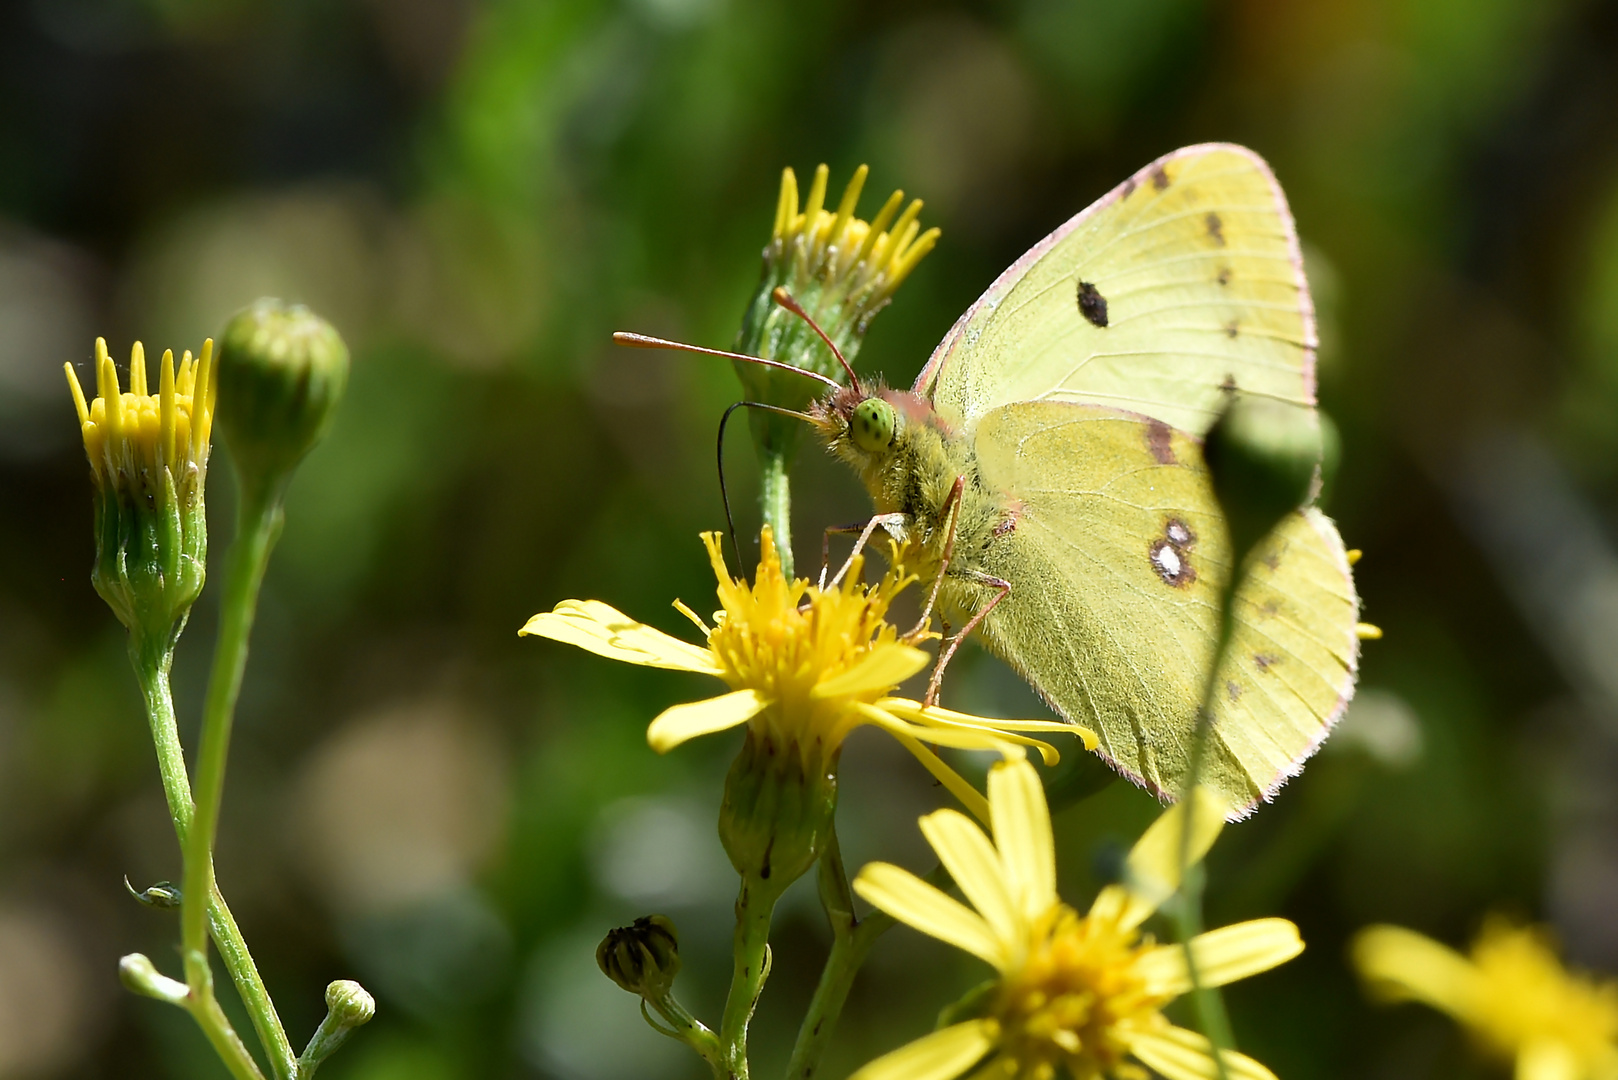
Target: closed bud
(777, 811)
(1263, 457)
(643, 957)
(282, 370)
(349, 1004)
(139, 974)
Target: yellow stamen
(1367, 631)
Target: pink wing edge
(1012, 274)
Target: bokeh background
(477, 192)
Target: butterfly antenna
(730, 521)
(784, 298)
(641, 341)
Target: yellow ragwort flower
(806, 666)
(866, 261)
(1083, 993)
(132, 437)
(149, 459)
(1513, 995)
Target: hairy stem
(1206, 1000)
(152, 671)
(775, 502)
(751, 966)
(260, 522)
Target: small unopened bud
(1263, 456)
(139, 974)
(776, 815)
(349, 1003)
(282, 370)
(643, 957)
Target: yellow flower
(867, 261)
(132, 437)
(1513, 994)
(149, 459)
(1080, 992)
(806, 666)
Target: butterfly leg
(825, 544)
(1003, 588)
(951, 511)
(877, 522)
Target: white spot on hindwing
(1171, 555)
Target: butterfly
(1045, 472)
(1051, 447)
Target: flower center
(1077, 992)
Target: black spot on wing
(1232, 328)
(1129, 187)
(1223, 277)
(1092, 305)
(1216, 229)
(1160, 177)
(1159, 440)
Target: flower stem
(755, 905)
(852, 939)
(775, 502)
(1209, 1005)
(259, 524)
(152, 671)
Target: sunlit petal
(972, 861)
(943, 1055)
(1402, 965)
(1152, 872)
(679, 723)
(606, 631)
(1184, 1055)
(1546, 1059)
(883, 667)
(1223, 955)
(911, 900)
(1022, 833)
(917, 712)
(953, 782)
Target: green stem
(1209, 1005)
(226, 1043)
(152, 671)
(775, 502)
(260, 522)
(689, 1030)
(755, 905)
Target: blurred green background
(477, 192)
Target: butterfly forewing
(1184, 281)
(1117, 555)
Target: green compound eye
(872, 425)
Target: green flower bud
(349, 1004)
(282, 370)
(140, 975)
(149, 459)
(643, 957)
(1263, 458)
(777, 811)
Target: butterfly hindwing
(1117, 556)
(1183, 281)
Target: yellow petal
(606, 631)
(916, 711)
(1004, 743)
(1022, 833)
(1223, 955)
(952, 780)
(681, 722)
(882, 668)
(1152, 872)
(972, 861)
(943, 1055)
(911, 900)
(1546, 1059)
(1184, 1055)
(1402, 965)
